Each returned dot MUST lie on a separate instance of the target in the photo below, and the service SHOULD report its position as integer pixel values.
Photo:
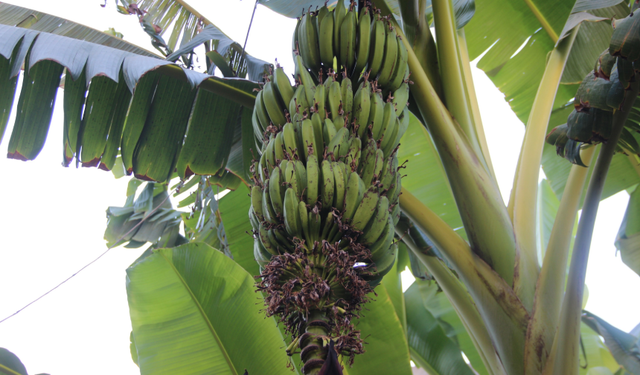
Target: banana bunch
(324, 203)
(319, 181)
(356, 42)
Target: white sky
(54, 219)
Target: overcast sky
(54, 219)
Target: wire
(244, 48)
(93, 261)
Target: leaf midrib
(202, 313)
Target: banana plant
(499, 282)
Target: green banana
(279, 147)
(395, 214)
(381, 246)
(317, 124)
(386, 261)
(304, 77)
(376, 224)
(256, 201)
(301, 176)
(290, 143)
(258, 131)
(353, 157)
(261, 111)
(272, 102)
(339, 13)
(390, 58)
(400, 72)
(352, 195)
(364, 41)
(361, 107)
(338, 173)
(315, 225)
(388, 122)
(378, 40)
(325, 39)
(390, 143)
(366, 209)
(401, 98)
(367, 160)
(376, 114)
(267, 208)
(309, 139)
(347, 50)
(334, 99)
(291, 177)
(303, 214)
(263, 234)
(260, 253)
(282, 83)
(276, 193)
(346, 91)
(313, 177)
(339, 145)
(319, 102)
(328, 225)
(292, 220)
(328, 132)
(327, 185)
(308, 42)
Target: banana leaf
(194, 311)
(153, 123)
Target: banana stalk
(526, 182)
(505, 316)
(416, 29)
(472, 100)
(563, 358)
(548, 298)
(479, 201)
(455, 292)
(453, 74)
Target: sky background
(54, 218)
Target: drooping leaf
(628, 239)
(157, 114)
(195, 311)
(13, 15)
(431, 348)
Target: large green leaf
(385, 343)
(431, 347)
(195, 311)
(157, 115)
(425, 176)
(628, 240)
(500, 28)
